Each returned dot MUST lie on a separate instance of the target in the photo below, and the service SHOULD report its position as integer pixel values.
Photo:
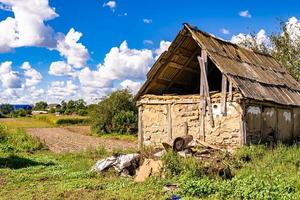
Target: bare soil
(61, 140)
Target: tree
(286, 50)
(41, 105)
(106, 113)
(6, 109)
(284, 47)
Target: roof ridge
(195, 28)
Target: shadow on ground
(16, 162)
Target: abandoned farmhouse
(218, 92)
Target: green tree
(6, 109)
(284, 47)
(41, 105)
(103, 115)
(286, 50)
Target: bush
(20, 113)
(107, 112)
(62, 120)
(124, 121)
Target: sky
(59, 50)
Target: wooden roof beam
(181, 70)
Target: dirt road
(62, 140)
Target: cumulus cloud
(259, 39)
(147, 21)
(245, 13)
(33, 77)
(293, 28)
(60, 90)
(133, 86)
(225, 31)
(61, 68)
(8, 77)
(75, 52)
(163, 46)
(111, 4)
(94, 79)
(123, 62)
(27, 27)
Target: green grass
(25, 122)
(28, 171)
(62, 119)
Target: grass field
(62, 119)
(29, 171)
(25, 122)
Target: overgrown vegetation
(27, 171)
(115, 113)
(16, 140)
(62, 119)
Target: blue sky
(146, 26)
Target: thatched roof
(258, 76)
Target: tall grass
(16, 140)
(62, 120)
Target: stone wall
(184, 109)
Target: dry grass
(25, 122)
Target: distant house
(53, 106)
(38, 112)
(218, 92)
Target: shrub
(104, 113)
(20, 113)
(124, 121)
(6, 109)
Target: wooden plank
(202, 105)
(223, 95)
(230, 91)
(169, 128)
(140, 128)
(206, 91)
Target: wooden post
(230, 91)
(206, 90)
(185, 128)
(223, 94)
(169, 114)
(140, 127)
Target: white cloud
(60, 90)
(131, 85)
(111, 4)
(245, 13)
(163, 46)
(27, 28)
(94, 79)
(147, 21)
(33, 77)
(148, 42)
(8, 77)
(123, 62)
(61, 68)
(225, 31)
(259, 39)
(75, 53)
(293, 28)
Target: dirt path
(61, 140)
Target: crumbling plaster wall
(185, 110)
